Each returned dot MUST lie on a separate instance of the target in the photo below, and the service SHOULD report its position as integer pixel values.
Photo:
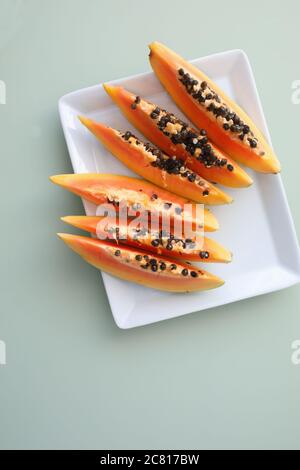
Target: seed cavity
(180, 133)
(229, 120)
(170, 164)
(156, 264)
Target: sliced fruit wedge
(160, 242)
(176, 137)
(137, 266)
(207, 106)
(139, 195)
(155, 166)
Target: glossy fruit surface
(155, 166)
(176, 137)
(207, 106)
(137, 194)
(159, 242)
(137, 266)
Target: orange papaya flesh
(138, 195)
(155, 166)
(176, 137)
(137, 266)
(207, 106)
(159, 242)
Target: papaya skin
(121, 262)
(98, 188)
(136, 156)
(105, 229)
(166, 65)
(139, 114)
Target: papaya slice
(160, 242)
(207, 106)
(138, 194)
(155, 166)
(137, 266)
(176, 137)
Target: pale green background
(222, 378)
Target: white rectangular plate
(257, 227)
